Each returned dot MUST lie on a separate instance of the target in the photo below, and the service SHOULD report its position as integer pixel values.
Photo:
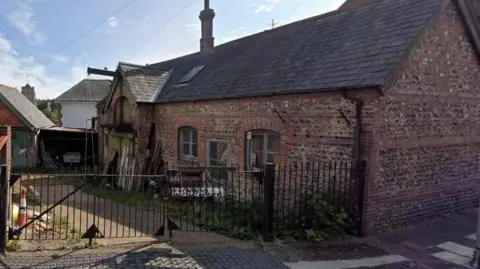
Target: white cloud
(5, 45)
(233, 34)
(16, 69)
(267, 6)
(112, 22)
(22, 18)
(146, 25)
(308, 10)
(193, 26)
(61, 58)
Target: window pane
(257, 158)
(193, 134)
(194, 150)
(185, 149)
(273, 142)
(257, 142)
(223, 153)
(213, 150)
(185, 135)
(271, 157)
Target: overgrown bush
(314, 220)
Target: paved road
(158, 256)
(444, 244)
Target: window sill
(188, 162)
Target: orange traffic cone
(22, 212)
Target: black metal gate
(79, 204)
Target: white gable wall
(75, 115)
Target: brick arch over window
(269, 123)
(188, 143)
(262, 147)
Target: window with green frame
(262, 147)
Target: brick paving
(159, 256)
(312, 251)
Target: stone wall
(311, 127)
(427, 144)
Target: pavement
(444, 243)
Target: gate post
(3, 209)
(268, 188)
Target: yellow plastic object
(15, 210)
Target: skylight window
(191, 74)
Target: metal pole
(3, 208)
(475, 262)
(268, 188)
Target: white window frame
(265, 151)
(192, 131)
(228, 164)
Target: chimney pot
(206, 17)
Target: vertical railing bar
(329, 194)
(74, 208)
(276, 196)
(101, 184)
(115, 179)
(283, 193)
(81, 201)
(26, 212)
(335, 185)
(295, 194)
(48, 200)
(345, 185)
(313, 191)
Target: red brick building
(404, 74)
(25, 120)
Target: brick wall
(426, 157)
(311, 127)
(8, 118)
(109, 116)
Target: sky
(50, 43)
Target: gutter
(270, 94)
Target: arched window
(262, 147)
(188, 143)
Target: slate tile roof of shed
(87, 90)
(30, 113)
(350, 49)
(144, 81)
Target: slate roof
(87, 90)
(21, 106)
(470, 11)
(144, 81)
(339, 50)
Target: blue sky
(33, 31)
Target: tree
(48, 112)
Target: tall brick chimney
(206, 17)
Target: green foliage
(315, 220)
(312, 219)
(49, 113)
(13, 245)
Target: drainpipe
(357, 151)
